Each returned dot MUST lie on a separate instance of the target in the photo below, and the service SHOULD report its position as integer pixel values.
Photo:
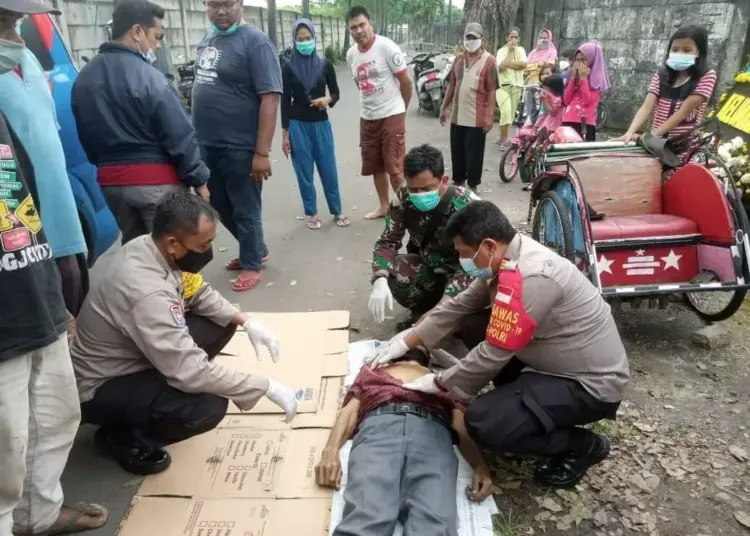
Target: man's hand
(380, 298)
(286, 145)
(321, 103)
(443, 116)
(488, 126)
(393, 351)
(424, 384)
(481, 484)
(260, 335)
(328, 471)
(202, 191)
(261, 167)
(283, 396)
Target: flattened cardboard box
(159, 516)
(331, 393)
(243, 463)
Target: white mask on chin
(472, 45)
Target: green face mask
(425, 201)
(305, 48)
(228, 31)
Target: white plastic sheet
(474, 519)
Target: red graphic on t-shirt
(15, 239)
(363, 78)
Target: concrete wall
(635, 34)
(84, 21)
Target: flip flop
(314, 224)
(79, 511)
(243, 283)
(342, 221)
(234, 264)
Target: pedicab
(607, 208)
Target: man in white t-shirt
(385, 89)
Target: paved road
(330, 267)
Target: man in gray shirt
(541, 332)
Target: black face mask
(193, 261)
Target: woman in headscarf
(544, 53)
(587, 81)
(307, 133)
(510, 61)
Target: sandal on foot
(341, 221)
(245, 282)
(72, 522)
(234, 264)
(314, 223)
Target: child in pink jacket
(552, 101)
(587, 81)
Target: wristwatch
(439, 382)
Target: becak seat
(642, 226)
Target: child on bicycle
(552, 103)
(547, 70)
(678, 94)
(587, 81)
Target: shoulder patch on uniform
(191, 283)
(6, 153)
(178, 315)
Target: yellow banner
(735, 111)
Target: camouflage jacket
(439, 252)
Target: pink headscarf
(543, 55)
(598, 77)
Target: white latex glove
(390, 352)
(260, 335)
(380, 298)
(425, 384)
(283, 396)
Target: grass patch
(606, 428)
(506, 524)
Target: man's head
(424, 170)
(184, 230)
(11, 13)
(224, 14)
(138, 25)
(481, 234)
(473, 37)
(360, 26)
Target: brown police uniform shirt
(134, 320)
(575, 336)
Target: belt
(403, 408)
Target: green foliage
(335, 55)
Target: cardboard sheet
(242, 463)
(157, 516)
(331, 394)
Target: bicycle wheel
(552, 226)
(509, 165)
(602, 114)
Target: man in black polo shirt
(39, 410)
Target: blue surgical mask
(150, 56)
(425, 201)
(472, 270)
(306, 48)
(679, 61)
(229, 31)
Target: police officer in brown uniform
(550, 346)
(146, 338)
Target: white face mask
(472, 45)
(10, 55)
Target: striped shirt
(668, 104)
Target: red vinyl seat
(641, 226)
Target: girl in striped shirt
(678, 94)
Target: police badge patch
(178, 315)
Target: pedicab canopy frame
(607, 208)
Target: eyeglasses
(219, 6)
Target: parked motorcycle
(186, 72)
(431, 83)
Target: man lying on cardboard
(402, 466)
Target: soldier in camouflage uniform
(430, 271)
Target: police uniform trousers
(144, 407)
(530, 412)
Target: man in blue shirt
(26, 101)
(235, 103)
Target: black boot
(566, 470)
(131, 454)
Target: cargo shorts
(383, 145)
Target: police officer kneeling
(551, 347)
(146, 337)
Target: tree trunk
(346, 35)
(272, 22)
(306, 8)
